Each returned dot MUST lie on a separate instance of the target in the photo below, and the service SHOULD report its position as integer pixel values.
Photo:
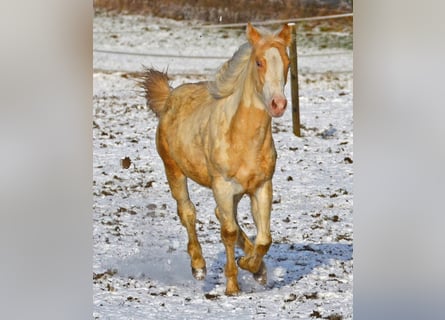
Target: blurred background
(226, 11)
(144, 40)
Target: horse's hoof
(232, 292)
(261, 278)
(261, 275)
(199, 274)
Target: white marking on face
(274, 79)
(273, 89)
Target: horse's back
(189, 97)
(183, 130)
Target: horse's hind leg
(243, 240)
(261, 206)
(187, 213)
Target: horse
(219, 134)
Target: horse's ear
(252, 34)
(285, 34)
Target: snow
(140, 264)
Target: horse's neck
(249, 121)
(251, 124)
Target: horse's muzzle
(277, 106)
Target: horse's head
(270, 66)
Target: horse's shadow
(286, 264)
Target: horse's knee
(261, 247)
(229, 233)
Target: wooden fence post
(294, 81)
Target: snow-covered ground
(141, 267)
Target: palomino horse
(219, 134)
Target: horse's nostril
(274, 104)
(279, 104)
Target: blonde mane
(229, 75)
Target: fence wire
(214, 26)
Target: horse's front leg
(224, 192)
(261, 203)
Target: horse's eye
(259, 64)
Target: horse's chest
(251, 171)
(245, 155)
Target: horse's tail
(157, 89)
